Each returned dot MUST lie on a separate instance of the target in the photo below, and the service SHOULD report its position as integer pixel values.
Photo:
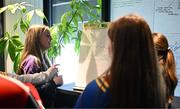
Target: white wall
(9, 20)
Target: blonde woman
(34, 59)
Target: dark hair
(167, 62)
(135, 79)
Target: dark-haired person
(167, 63)
(133, 79)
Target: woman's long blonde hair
(33, 47)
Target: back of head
(135, 79)
(161, 45)
(166, 60)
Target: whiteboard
(162, 16)
(94, 58)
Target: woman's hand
(52, 71)
(58, 80)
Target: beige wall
(9, 20)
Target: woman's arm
(36, 78)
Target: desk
(176, 103)
(66, 97)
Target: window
(68, 59)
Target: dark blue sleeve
(88, 98)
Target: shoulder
(95, 94)
(31, 59)
(92, 86)
(30, 64)
(88, 95)
(96, 88)
(101, 83)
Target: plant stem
(68, 24)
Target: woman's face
(45, 40)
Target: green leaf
(54, 51)
(23, 8)
(16, 25)
(6, 36)
(77, 46)
(73, 3)
(85, 10)
(41, 14)
(75, 20)
(88, 4)
(24, 25)
(59, 50)
(64, 19)
(94, 16)
(80, 16)
(11, 50)
(11, 7)
(79, 34)
(70, 34)
(16, 62)
(54, 29)
(99, 2)
(71, 30)
(15, 36)
(77, 6)
(29, 15)
(16, 42)
(50, 54)
(78, 41)
(3, 9)
(14, 9)
(60, 28)
(66, 38)
(19, 48)
(2, 45)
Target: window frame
(2, 62)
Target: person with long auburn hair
(133, 79)
(34, 60)
(167, 63)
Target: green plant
(10, 42)
(66, 31)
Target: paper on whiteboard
(94, 57)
